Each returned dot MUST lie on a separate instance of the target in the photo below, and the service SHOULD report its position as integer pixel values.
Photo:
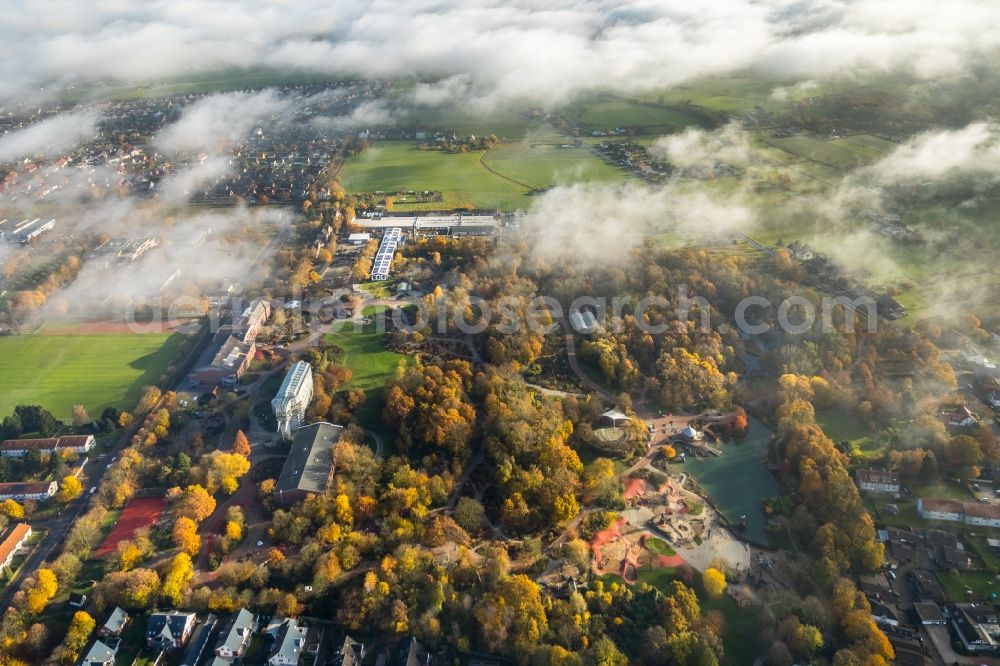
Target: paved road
(49, 547)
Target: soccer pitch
(96, 371)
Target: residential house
(960, 418)
(409, 652)
(199, 641)
(937, 538)
(115, 624)
(17, 448)
(235, 636)
(100, 654)
(28, 490)
(940, 509)
(13, 543)
(928, 586)
(288, 644)
(877, 481)
(169, 631)
(970, 513)
(350, 653)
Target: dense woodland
(400, 545)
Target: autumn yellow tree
(180, 573)
(195, 503)
(12, 509)
(42, 591)
(714, 582)
(185, 535)
(69, 489)
(234, 530)
(222, 471)
(77, 635)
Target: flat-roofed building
(309, 464)
(293, 398)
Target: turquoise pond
(737, 480)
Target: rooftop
(13, 540)
(310, 459)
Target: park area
(139, 512)
(97, 370)
(370, 364)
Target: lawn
(97, 371)
(371, 364)
(827, 153)
(542, 165)
(609, 112)
(503, 178)
(983, 585)
(845, 426)
(659, 546)
(462, 179)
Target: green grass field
(983, 585)
(502, 178)
(610, 112)
(371, 364)
(542, 165)
(97, 371)
(460, 177)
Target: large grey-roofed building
(307, 468)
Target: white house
(17, 448)
(13, 543)
(235, 636)
(970, 513)
(289, 644)
(940, 509)
(293, 398)
(28, 490)
(876, 481)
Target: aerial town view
(481, 333)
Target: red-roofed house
(17, 448)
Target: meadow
(97, 371)
(645, 117)
(461, 177)
(370, 364)
(503, 178)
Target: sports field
(97, 371)
(139, 512)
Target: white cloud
(211, 122)
(49, 137)
(510, 49)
